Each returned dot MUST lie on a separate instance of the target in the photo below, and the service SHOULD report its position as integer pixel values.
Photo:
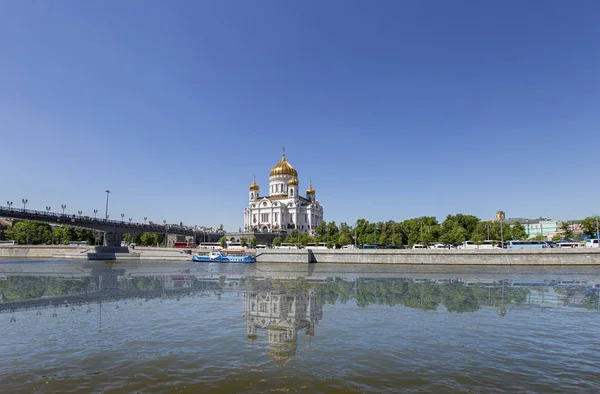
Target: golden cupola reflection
(310, 190)
(283, 168)
(293, 182)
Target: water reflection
(95, 326)
(282, 315)
(284, 306)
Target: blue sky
(394, 109)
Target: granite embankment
(538, 257)
(581, 256)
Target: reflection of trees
(427, 295)
(40, 291)
(21, 288)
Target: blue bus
(371, 246)
(526, 244)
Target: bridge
(113, 229)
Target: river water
(121, 327)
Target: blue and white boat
(216, 256)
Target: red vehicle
(184, 245)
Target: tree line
(28, 232)
(425, 230)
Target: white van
(592, 243)
(419, 246)
(469, 245)
(439, 246)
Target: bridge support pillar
(112, 238)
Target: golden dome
(283, 168)
(310, 190)
(254, 185)
(293, 182)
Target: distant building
(284, 209)
(533, 227)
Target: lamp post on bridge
(24, 201)
(9, 203)
(95, 212)
(106, 214)
(63, 208)
(122, 216)
(48, 209)
(129, 220)
(79, 212)
(145, 218)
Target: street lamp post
(79, 212)
(145, 218)
(130, 220)
(24, 201)
(9, 203)
(597, 233)
(48, 209)
(122, 216)
(165, 223)
(106, 213)
(95, 212)
(488, 228)
(501, 235)
(527, 221)
(63, 206)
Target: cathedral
(284, 209)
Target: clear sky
(394, 109)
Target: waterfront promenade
(538, 257)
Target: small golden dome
(254, 185)
(293, 182)
(283, 168)
(310, 190)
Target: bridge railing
(82, 219)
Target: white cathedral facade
(284, 209)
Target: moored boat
(217, 256)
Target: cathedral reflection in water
(282, 315)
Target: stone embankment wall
(582, 256)
(42, 251)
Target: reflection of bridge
(113, 229)
(102, 284)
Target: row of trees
(425, 230)
(27, 232)
(37, 233)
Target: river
(78, 327)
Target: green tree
(305, 239)
(277, 241)
(253, 242)
(292, 237)
(566, 231)
(223, 242)
(589, 226)
(29, 232)
(344, 239)
(149, 239)
(243, 242)
(518, 231)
